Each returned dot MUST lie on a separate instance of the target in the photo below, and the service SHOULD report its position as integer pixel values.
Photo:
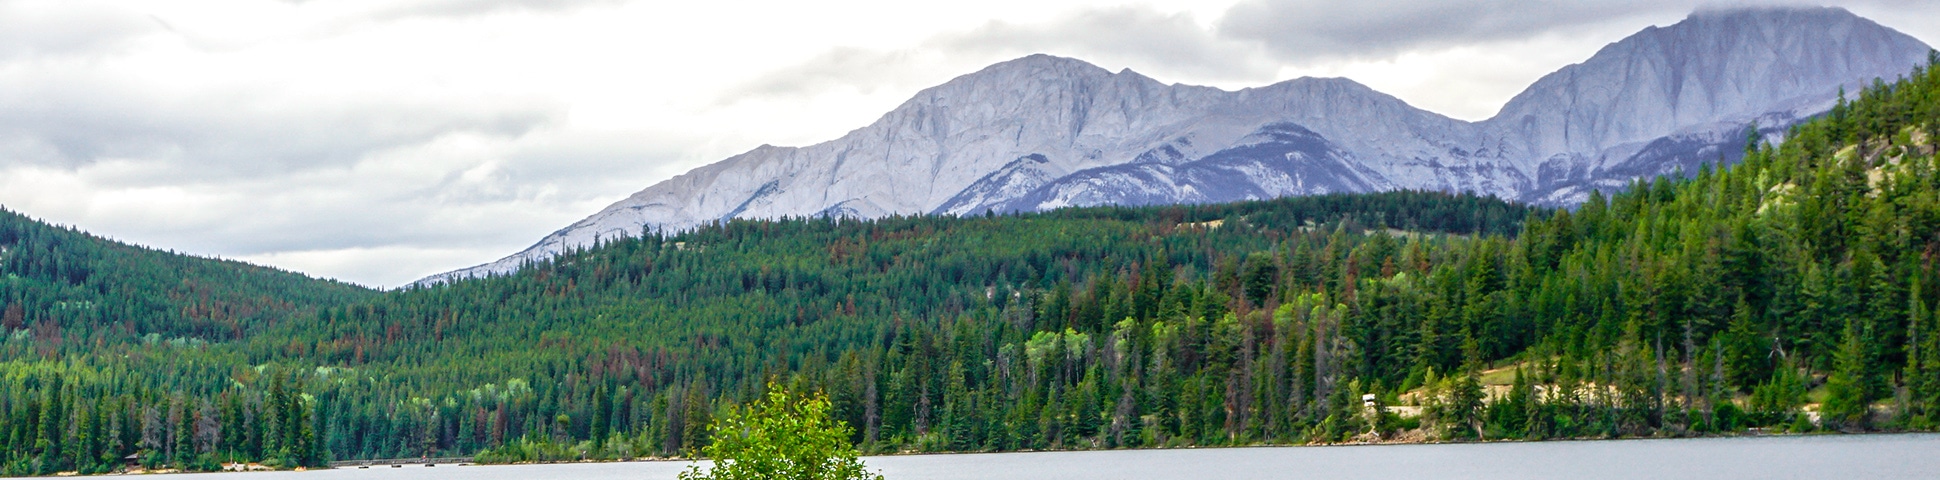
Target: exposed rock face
(1044, 132)
(1702, 81)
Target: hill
(61, 282)
(97, 331)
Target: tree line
(1792, 291)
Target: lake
(1907, 456)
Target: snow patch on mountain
(1045, 132)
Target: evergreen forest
(1793, 291)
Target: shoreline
(897, 455)
(1272, 445)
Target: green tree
(1260, 274)
(1780, 397)
(1846, 404)
(784, 436)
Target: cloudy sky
(381, 141)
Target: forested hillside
(646, 338)
(104, 341)
(1795, 286)
(60, 282)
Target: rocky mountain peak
(1715, 65)
(1045, 64)
(1043, 132)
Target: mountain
(1044, 132)
(1673, 97)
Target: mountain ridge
(1043, 132)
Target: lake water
(1914, 456)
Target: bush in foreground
(783, 436)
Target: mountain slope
(1046, 132)
(1698, 82)
(58, 281)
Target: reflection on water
(1831, 456)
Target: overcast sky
(381, 141)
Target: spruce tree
(1847, 404)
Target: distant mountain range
(1044, 132)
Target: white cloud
(33, 29)
(1169, 45)
(1311, 31)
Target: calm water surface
(1833, 456)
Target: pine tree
(1745, 354)
(1923, 359)
(1512, 413)
(1467, 396)
(602, 415)
(184, 433)
(1847, 404)
(1916, 384)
